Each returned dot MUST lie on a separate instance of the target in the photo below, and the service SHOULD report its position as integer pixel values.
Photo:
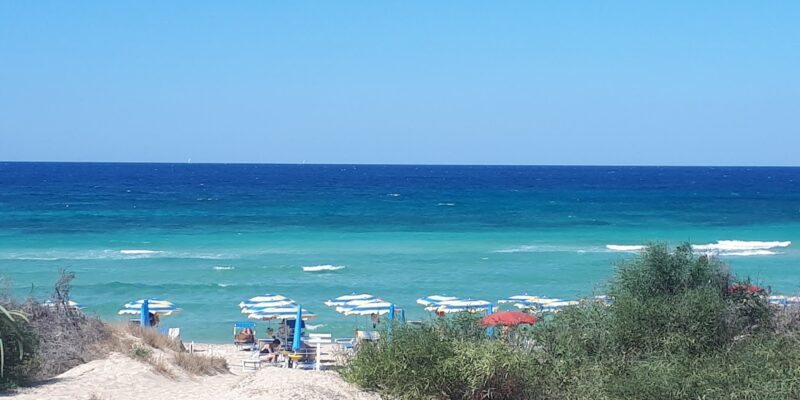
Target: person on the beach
(375, 320)
(271, 349)
(153, 319)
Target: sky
(402, 82)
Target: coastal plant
(153, 337)
(196, 364)
(448, 358)
(66, 336)
(18, 346)
(139, 352)
(681, 326)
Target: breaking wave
(319, 268)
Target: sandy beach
(121, 377)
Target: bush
(18, 345)
(449, 358)
(680, 327)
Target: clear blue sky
(533, 82)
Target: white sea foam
(223, 284)
(315, 327)
(327, 267)
(224, 268)
(740, 245)
(625, 247)
(741, 248)
(137, 252)
(549, 248)
(446, 204)
(748, 253)
(393, 194)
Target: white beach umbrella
(435, 299)
(288, 313)
(155, 306)
(460, 305)
(341, 300)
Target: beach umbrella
(508, 318)
(144, 313)
(74, 305)
(342, 300)
(272, 304)
(557, 305)
(346, 307)
(288, 313)
(526, 298)
(379, 307)
(298, 329)
(783, 300)
(461, 305)
(160, 307)
(489, 312)
(535, 302)
(435, 299)
(262, 299)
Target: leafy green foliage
(680, 327)
(18, 346)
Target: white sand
(120, 377)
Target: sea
(208, 236)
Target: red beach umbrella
(508, 318)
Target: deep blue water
(208, 236)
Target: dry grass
(153, 338)
(161, 367)
(196, 364)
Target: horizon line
(400, 164)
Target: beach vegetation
(18, 346)
(197, 364)
(681, 326)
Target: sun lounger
(367, 336)
(241, 338)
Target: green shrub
(18, 345)
(449, 358)
(679, 328)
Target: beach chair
(252, 362)
(367, 336)
(244, 340)
(317, 340)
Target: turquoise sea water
(210, 236)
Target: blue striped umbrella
(263, 300)
(70, 304)
(461, 305)
(435, 299)
(288, 313)
(535, 302)
(783, 300)
(557, 306)
(349, 298)
(155, 306)
(369, 308)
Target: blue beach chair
(242, 340)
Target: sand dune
(120, 377)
